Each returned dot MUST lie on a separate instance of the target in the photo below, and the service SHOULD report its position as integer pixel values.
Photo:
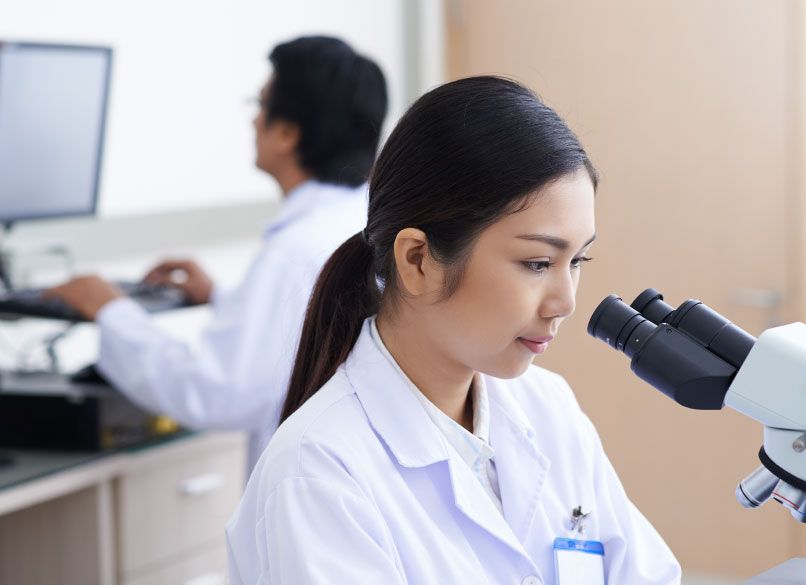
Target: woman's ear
(419, 274)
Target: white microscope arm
(770, 387)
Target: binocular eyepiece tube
(690, 353)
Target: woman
(420, 445)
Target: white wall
(178, 133)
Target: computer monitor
(53, 102)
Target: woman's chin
(509, 370)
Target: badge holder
(578, 561)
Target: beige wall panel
(693, 112)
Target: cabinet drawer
(206, 568)
(178, 502)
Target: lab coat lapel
(399, 419)
(522, 468)
(471, 499)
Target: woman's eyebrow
(554, 241)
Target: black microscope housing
(691, 353)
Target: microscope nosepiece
(756, 488)
(792, 498)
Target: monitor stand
(5, 269)
(25, 255)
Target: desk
(149, 515)
(792, 572)
(145, 516)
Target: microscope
(703, 361)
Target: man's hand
(86, 294)
(185, 275)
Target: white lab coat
(359, 486)
(237, 376)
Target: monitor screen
(52, 114)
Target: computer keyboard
(32, 303)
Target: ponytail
(346, 293)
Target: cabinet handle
(201, 484)
(207, 579)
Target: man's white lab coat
(237, 376)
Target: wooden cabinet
(205, 567)
(693, 112)
(174, 503)
(149, 517)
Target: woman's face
(520, 282)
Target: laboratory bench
(150, 514)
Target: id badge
(578, 562)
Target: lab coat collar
(415, 441)
(522, 468)
(392, 408)
(470, 446)
(306, 197)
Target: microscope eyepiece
(687, 353)
(620, 326)
(700, 322)
(650, 304)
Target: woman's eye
(538, 266)
(578, 262)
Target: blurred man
(317, 134)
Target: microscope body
(703, 361)
(770, 387)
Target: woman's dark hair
(338, 100)
(463, 156)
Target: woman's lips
(536, 344)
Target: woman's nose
(560, 300)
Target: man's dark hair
(337, 98)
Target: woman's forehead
(563, 208)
